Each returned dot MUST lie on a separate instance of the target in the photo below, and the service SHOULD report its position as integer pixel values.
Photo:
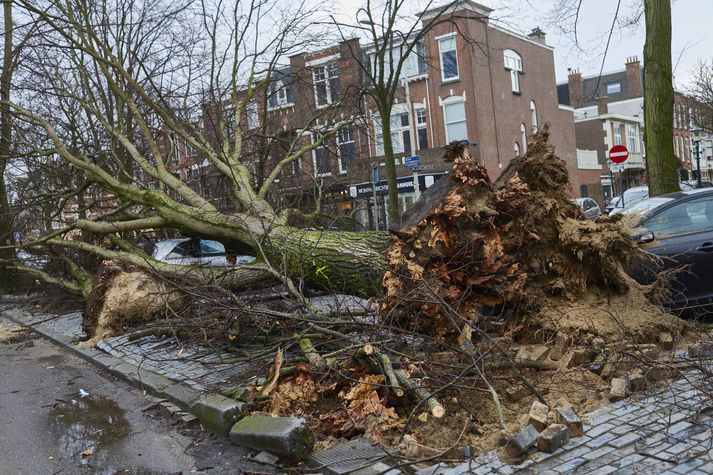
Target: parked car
(611, 204)
(197, 252)
(679, 227)
(637, 194)
(590, 208)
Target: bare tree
(701, 89)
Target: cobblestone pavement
(670, 431)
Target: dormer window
(513, 63)
(279, 94)
(614, 88)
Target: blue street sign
(16, 235)
(413, 161)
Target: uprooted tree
(130, 101)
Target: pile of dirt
(516, 248)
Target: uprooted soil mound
(517, 248)
(123, 298)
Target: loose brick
(524, 439)
(567, 417)
(532, 352)
(618, 389)
(635, 380)
(666, 340)
(552, 438)
(538, 415)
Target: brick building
(467, 79)
(609, 110)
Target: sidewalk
(669, 431)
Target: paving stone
(567, 417)
(618, 389)
(600, 429)
(593, 454)
(525, 438)
(678, 427)
(346, 457)
(289, 437)
(552, 438)
(217, 412)
(538, 415)
(570, 466)
(266, 458)
(438, 469)
(378, 468)
(624, 440)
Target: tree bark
(661, 164)
(7, 277)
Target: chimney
(633, 77)
(537, 35)
(602, 105)
(574, 83)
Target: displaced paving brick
(289, 437)
(666, 340)
(552, 438)
(538, 415)
(438, 469)
(515, 393)
(635, 380)
(532, 352)
(567, 417)
(266, 458)
(524, 439)
(618, 389)
(703, 349)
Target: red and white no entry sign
(618, 154)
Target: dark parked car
(679, 227)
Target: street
(60, 415)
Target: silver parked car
(589, 207)
(197, 252)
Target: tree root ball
(123, 299)
(472, 249)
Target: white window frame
(252, 115)
(448, 102)
(397, 130)
(612, 85)
(632, 138)
(617, 138)
(279, 91)
(327, 82)
(516, 148)
(421, 113)
(314, 157)
(513, 63)
(342, 168)
(440, 40)
(533, 116)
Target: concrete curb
(216, 412)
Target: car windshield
(646, 206)
(614, 201)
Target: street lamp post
(695, 132)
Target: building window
(516, 148)
(583, 191)
(449, 57)
(513, 62)
(454, 118)
(400, 134)
(617, 134)
(326, 83)
(632, 137)
(533, 116)
(415, 63)
(614, 88)
(279, 94)
(190, 150)
(321, 157)
(346, 147)
(252, 115)
(421, 130)
(523, 137)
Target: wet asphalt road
(47, 427)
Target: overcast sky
(692, 32)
